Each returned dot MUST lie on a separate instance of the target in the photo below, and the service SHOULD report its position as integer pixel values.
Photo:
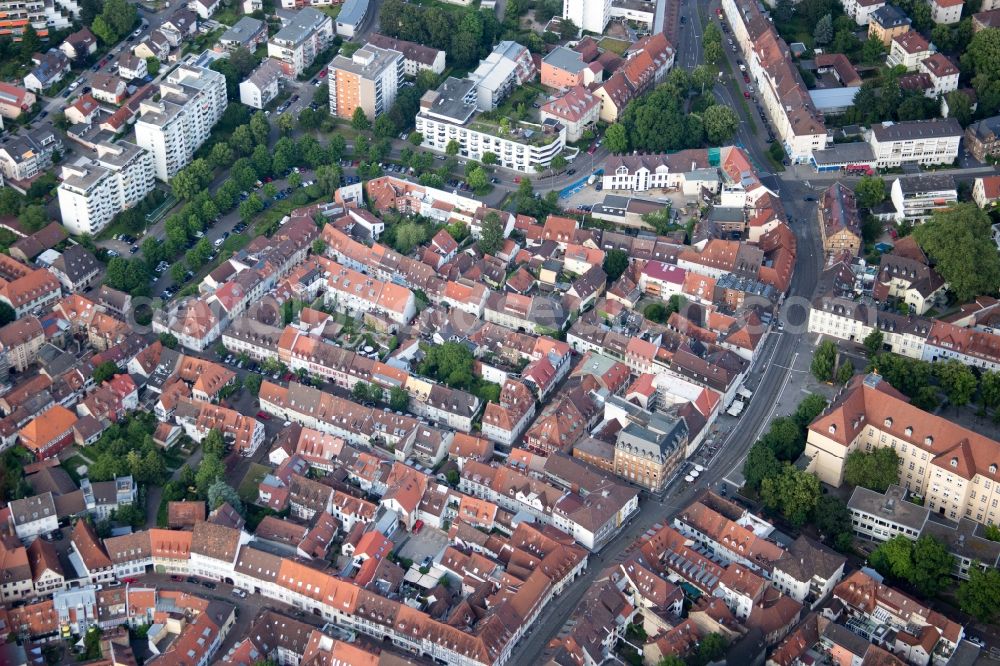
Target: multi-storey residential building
(846, 320)
(808, 571)
(449, 114)
(590, 15)
(506, 67)
(25, 155)
(262, 85)
(982, 138)
(946, 11)
(909, 49)
(915, 142)
(92, 193)
(14, 100)
(978, 348)
(20, 341)
(783, 93)
(34, 516)
(839, 222)
(916, 198)
(296, 46)
(886, 22)
(577, 110)
(42, 16)
(952, 468)
(564, 67)
(648, 453)
(192, 99)
(861, 10)
(416, 57)
(942, 72)
(248, 33)
(367, 80)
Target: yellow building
(955, 470)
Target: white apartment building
(915, 142)
(34, 516)
(262, 85)
(783, 93)
(844, 319)
(296, 46)
(589, 15)
(861, 10)
(92, 193)
(916, 198)
(447, 114)
(192, 99)
(57, 14)
(506, 67)
(946, 11)
(943, 74)
(909, 50)
(416, 57)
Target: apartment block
(909, 49)
(982, 138)
(506, 67)
(946, 12)
(915, 142)
(577, 108)
(262, 85)
(93, 192)
(916, 198)
(192, 99)
(25, 155)
(448, 114)
(783, 93)
(42, 16)
(589, 15)
(368, 80)
(296, 46)
(861, 10)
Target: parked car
(177, 579)
(208, 584)
(263, 416)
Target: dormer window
(993, 468)
(908, 431)
(888, 423)
(832, 429)
(954, 462)
(928, 440)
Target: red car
(746, 94)
(417, 526)
(128, 581)
(288, 377)
(592, 149)
(263, 416)
(322, 74)
(517, 180)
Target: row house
(199, 418)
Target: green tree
(490, 158)
(721, 123)
(932, 566)
(616, 139)
(980, 595)
(209, 471)
(760, 464)
(399, 399)
(384, 127)
(103, 30)
(477, 179)
(7, 313)
(824, 358)
(656, 312)
(260, 129)
(959, 107)
(450, 363)
(876, 470)
(153, 66)
(957, 381)
(792, 492)
(845, 372)
(104, 372)
(959, 241)
(452, 148)
(214, 444)
(491, 235)
(989, 388)
(558, 163)
(34, 217)
(31, 43)
(870, 191)
(408, 236)
(252, 383)
(359, 120)
(221, 492)
(823, 32)
(615, 263)
(833, 520)
(168, 340)
(711, 648)
(873, 342)
(894, 558)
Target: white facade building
(91, 194)
(192, 99)
(447, 114)
(915, 142)
(589, 15)
(261, 86)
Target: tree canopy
(925, 563)
(959, 241)
(792, 492)
(876, 470)
(980, 595)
